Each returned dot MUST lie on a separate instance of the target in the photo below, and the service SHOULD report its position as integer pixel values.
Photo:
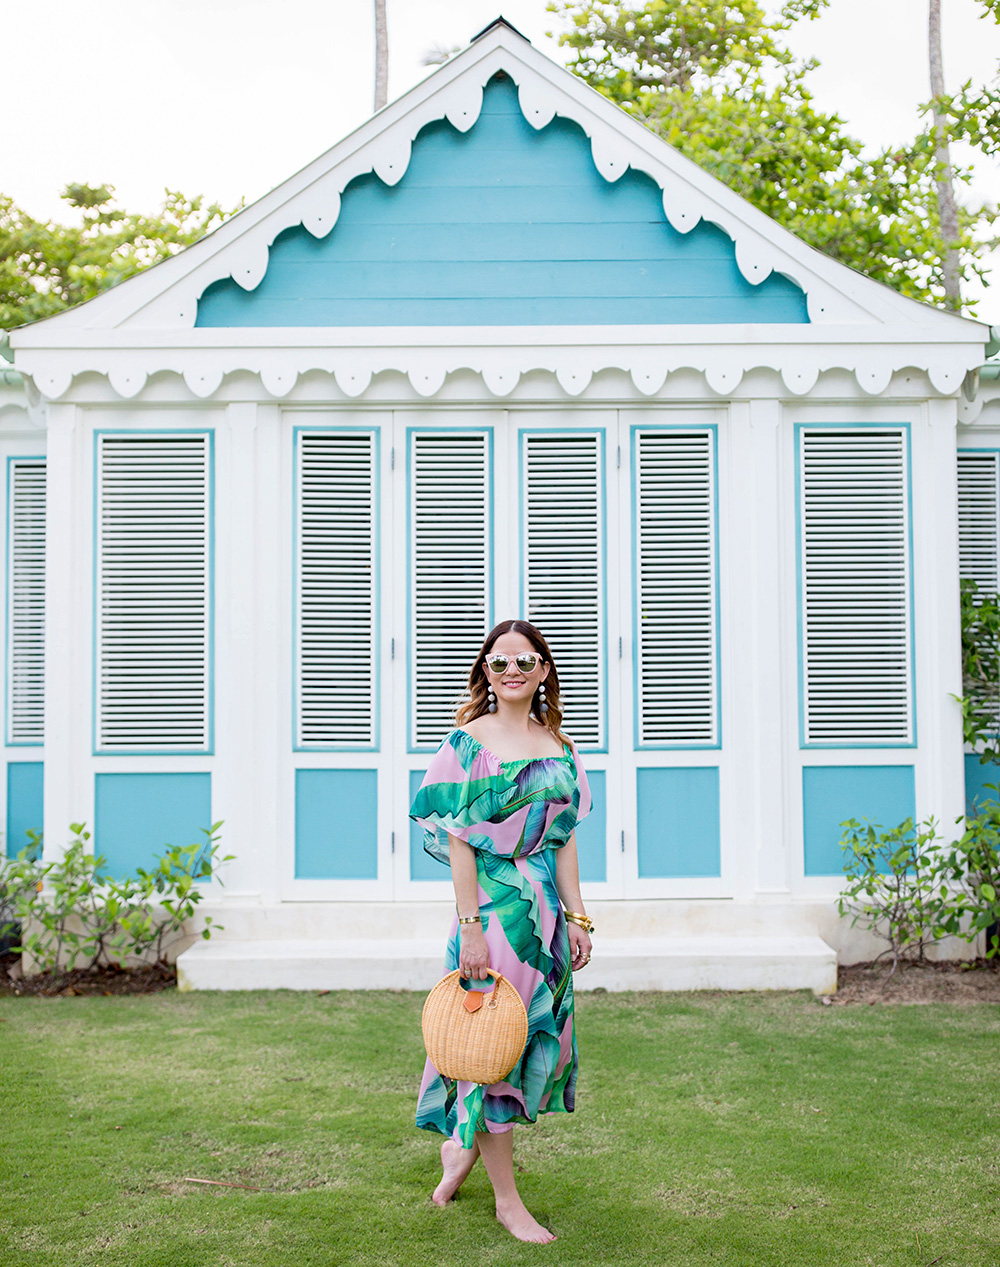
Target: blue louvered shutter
(855, 590)
(335, 589)
(26, 602)
(153, 580)
(675, 588)
(449, 568)
(563, 569)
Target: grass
(711, 1129)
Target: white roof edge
(164, 298)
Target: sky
(229, 97)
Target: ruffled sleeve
(459, 794)
(509, 809)
(586, 801)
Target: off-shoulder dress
(515, 815)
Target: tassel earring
(491, 707)
(543, 707)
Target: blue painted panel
(977, 776)
(25, 783)
(336, 824)
(591, 834)
(422, 865)
(678, 822)
(831, 794)
(502, 225)
(136, 816)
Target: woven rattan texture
(481, 1046)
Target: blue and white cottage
(500, 351)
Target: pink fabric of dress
(514, 814)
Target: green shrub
(894, 884)
(908, 886)
(972, 868)
(69, 910)
(980, 700)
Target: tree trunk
(947, 207)
(381, 55)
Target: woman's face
(514, 681)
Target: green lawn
(711, 1128)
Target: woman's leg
(456, 1162)
(497, 1152)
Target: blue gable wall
(502, 225)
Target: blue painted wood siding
(502, 225)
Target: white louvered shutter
(563, 573)
(855, 587)
(675, 588)
(450, 573)
(153, 595)
(26, 602)
(336, 600)
(979, 518)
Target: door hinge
(392, 842)
(392, 648)
(623, 840)
(392, 458)
(619, 457)
(619, 646)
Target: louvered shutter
(675, 588)
(336, 600)
(153, 599)
(450, 573)
(564, 570)
(979, 518)
(26, 602)
(855, 586)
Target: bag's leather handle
(474, 998)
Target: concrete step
(641, 963)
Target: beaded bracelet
(584, 921)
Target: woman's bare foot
(456, 1162)
(516, 1219)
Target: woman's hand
(474, 954)
(579, 946)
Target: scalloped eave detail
(500, 368)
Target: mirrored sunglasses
(497, 662)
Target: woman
(499, 804)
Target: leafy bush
(980, 700)
(907, 886)
(893, 884)
(14, 880)
(69, 910)
(972, 867)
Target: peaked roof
(158, 307)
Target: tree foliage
(46, 267)
(716, 79)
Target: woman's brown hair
(478, 702)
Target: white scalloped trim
(501, 367)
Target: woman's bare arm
(568, 887)
(474, 955)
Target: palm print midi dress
(515, 815)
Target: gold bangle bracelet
(470, 919)
(584, 921)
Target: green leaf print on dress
(515, 815)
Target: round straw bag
(474, 1035)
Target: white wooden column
(269, 669)
(69, 675)
(767, 654)
(238, 797)
(940, 763)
